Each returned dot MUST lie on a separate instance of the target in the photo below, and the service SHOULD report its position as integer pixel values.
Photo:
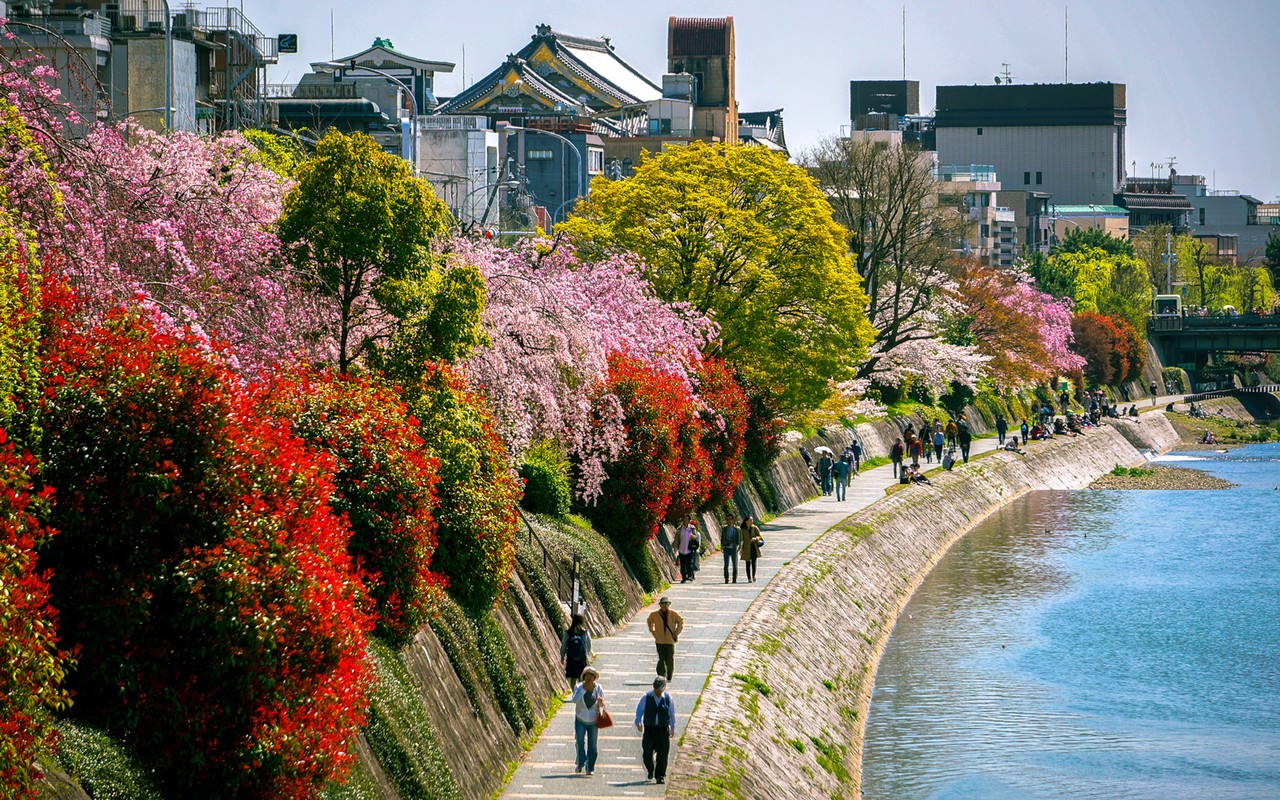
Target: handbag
(603, 720)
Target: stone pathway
(627, 660)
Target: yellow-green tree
(1108, 283)
(748, 239)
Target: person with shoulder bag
(730, 541)
(588, 717)
(752, 541)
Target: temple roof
(382, 53)
(562, 68)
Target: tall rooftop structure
(1066, 139)
(705, 48)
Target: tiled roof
(699, 36)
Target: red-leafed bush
(32, 667)
(200, 568)
(764, 425)
(1112, 349)
(642, 487)
(724, 424)
(478, 491)
(385, 484)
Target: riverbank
(789, 691)
(1157, 476)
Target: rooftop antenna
(904, 42)
(1066, 45)
(1007, 77)
(332, 54)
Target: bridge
(1183, 340)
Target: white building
(458, 156)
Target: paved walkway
(627, 660)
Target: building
(705, 48)
(1067, 140)
(111, 60)
(1031, 220)
(1110, 219)
(971, 189)
(1219, 215)
(459, 157)
(764, 129)
(1154, 201)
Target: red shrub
(31, 666)
(200, 569)
(724, 424)
(478, 489)
(1112, 349)
(385, 485)
(658, 476)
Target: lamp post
(413, 145)
(168, 68)
(508, 184)
(508, 128)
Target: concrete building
(110, 57)
(459, 157)
(1067, 140)
(1217, 215)
(1154, 201)
(1030, 219)
(1111, 219)
(971, 189)
(705, 48)
(891, 106)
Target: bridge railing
(1268, 388)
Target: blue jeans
(584, 735)
(841, 483)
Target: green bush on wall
(546, 481)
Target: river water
(1094, 644)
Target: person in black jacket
(730, 540)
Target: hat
(665, 601)
(592, 670)
(659, 682)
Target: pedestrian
(914, 448)
(952, 431)
(665, 625)
(1002, 427)
(656, 721)
(751, 542)
(808, 459)
(730, 541)
(695, 549)
(588, 702)
(939, 441)
(1025, 429)
(856, 446)
(824, 472)
(575, 649)
(895, 455)
(1153, 393)
(684, 546)
(840, 471)
(948, 460)
(965, 437)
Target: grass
(106, 769)
(1131, 472)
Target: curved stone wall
(783, 712)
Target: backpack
(576, 652)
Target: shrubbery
(478, 491)
(385, 485)
(724, 429)
(1112, 349)
(545, 472)
(199, 568)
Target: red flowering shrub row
(1112, 349)
(724, 423)
(478, 491)
(385, 486)
(33, 666)
(199, 568)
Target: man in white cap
(656, 719)
(665, 626)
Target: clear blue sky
(1202, 76)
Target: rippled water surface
(1094, 644)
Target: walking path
(627, 660)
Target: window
(595, 161)
(1202, 216)
(1026, 179)
(538, 155)
(979, 131)
(1039, 178)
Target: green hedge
(546, 482)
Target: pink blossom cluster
(553, 320)
(1054, 318)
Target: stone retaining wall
(783, 712)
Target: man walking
(730, 541)
(685, 544)
(856, 446)
(824, 472)
(665, 626)
(1002, 427)
(965, 437)
(656, 720)
(1154, 391)
(841, 472)
(895, 455)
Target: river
(1094, 644)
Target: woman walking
(751, 541)
(588, 702)
(575, 649)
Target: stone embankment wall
(783, 712)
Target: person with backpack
(730, 541)
(665, 625)
(856, 447)
(895, 455)
(656, 720)
(575, 649)
(840, 471)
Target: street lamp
(412, 99)
(168, 68)
(508, 128)
(508, 184)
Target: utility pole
(1168, 263)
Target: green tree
(283, 155)
(1080, 239)
(747, 239)
(1118, 285)
(361, 228)
(1272, 255)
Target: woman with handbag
(588, 717)
(751, 543)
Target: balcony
(966, 173)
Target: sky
(1202, 76)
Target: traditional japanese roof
(558, 68)
(382, 54)
(1148, 201)
(1089, 210)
